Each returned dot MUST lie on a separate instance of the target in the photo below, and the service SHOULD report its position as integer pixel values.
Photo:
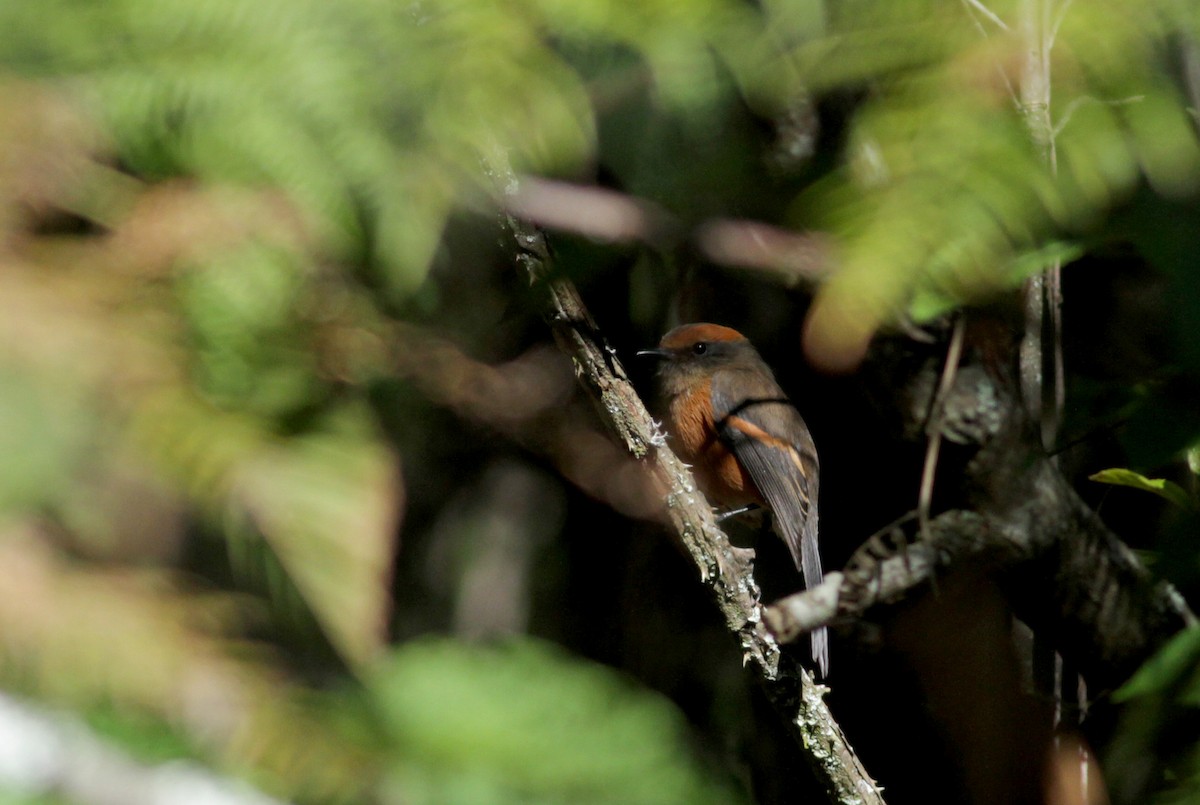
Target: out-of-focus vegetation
(271, 405)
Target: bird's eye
(699, 348)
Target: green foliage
(950, 176)
(1175, 667)
(527, 723)
(1162, 702)
(243, 311)
(374, 117)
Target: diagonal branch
(726, 570)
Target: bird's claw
(728, 515)
(658, 436)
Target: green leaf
(1166, 668)
(1160, 486)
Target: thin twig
(1012, 92)
(1078, 102)
(934, 428)
(987, 12)
(1052, 37)
(1058, 392)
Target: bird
(727, 417)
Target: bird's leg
(739, 511)
(744, 555)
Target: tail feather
(810, 568)
(807, 557)
(820, 650)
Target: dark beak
(660, 354)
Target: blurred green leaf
(243, 308)
(931, 301)
(329, 506)
(148, 739)
(1175, 661)
(1168, 490)
(41, 439)
(10, 797)
(525, 722)
(1158, 722)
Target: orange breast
(721, 478)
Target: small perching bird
(746, 443)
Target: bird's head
(691, 352)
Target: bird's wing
(772, 443)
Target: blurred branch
(614, 217)
(725, 569)
(527, 399)
(790, 256)
(596, 212)
(875, 575)
(1035, 76)
(1066, 575)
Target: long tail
(810, 568)
(802, 540)
(820, 650)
